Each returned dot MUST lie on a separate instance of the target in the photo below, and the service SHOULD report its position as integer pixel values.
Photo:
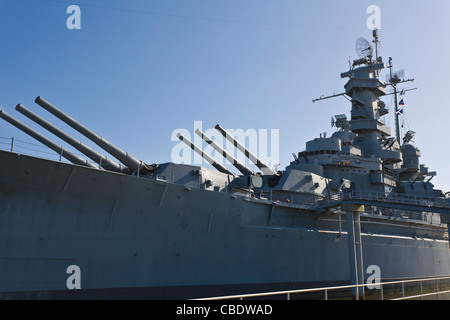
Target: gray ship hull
(140, 237)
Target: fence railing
(29, 148)
(317, 200)
(394, 198)
(418, 291)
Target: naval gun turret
(204, 155)
(103, 161)
(132, 163)
(238, 165)
(45, 141)
(260, 164)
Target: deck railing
(33, 149)
(394, 198)
(435, 287)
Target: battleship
(352, 200)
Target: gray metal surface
(49, 143)
(210, 160)
(261, 165)
(349, 201)
(127, 159)
(238, 165)
(92, 154)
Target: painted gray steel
(238, 165)
(92, 154)
(52, 145)
(261, 165)
(350, 201)
(122, 156)
(199, 151)
(125, 231)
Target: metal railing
(32, 149)
(312, 200)
(292, 198)
(28, 148)
(315, 201)
(418, 290)
(394, 198)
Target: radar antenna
(363, 48)
(408, 136)
(395, 76)
(340, 122)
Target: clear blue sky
(139, 69)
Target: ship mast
(394, 81)
(375, 41)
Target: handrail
(326, 289)
(28, 148)
(394, 198)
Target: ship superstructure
(357, 198)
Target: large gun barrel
(261, 165)
(211, 161)
(127, 159)
(238, 165)
(92, 154)
(52, 145)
